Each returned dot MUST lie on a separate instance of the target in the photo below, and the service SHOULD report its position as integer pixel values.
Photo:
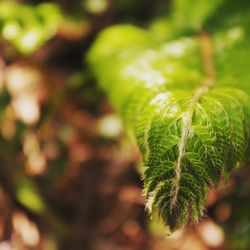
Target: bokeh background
(69, 177)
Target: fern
(185, 101)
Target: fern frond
(188, 112)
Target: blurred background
(69, 177)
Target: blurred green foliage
(28, 27)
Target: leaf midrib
(206, 84)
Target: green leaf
(187, 103)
